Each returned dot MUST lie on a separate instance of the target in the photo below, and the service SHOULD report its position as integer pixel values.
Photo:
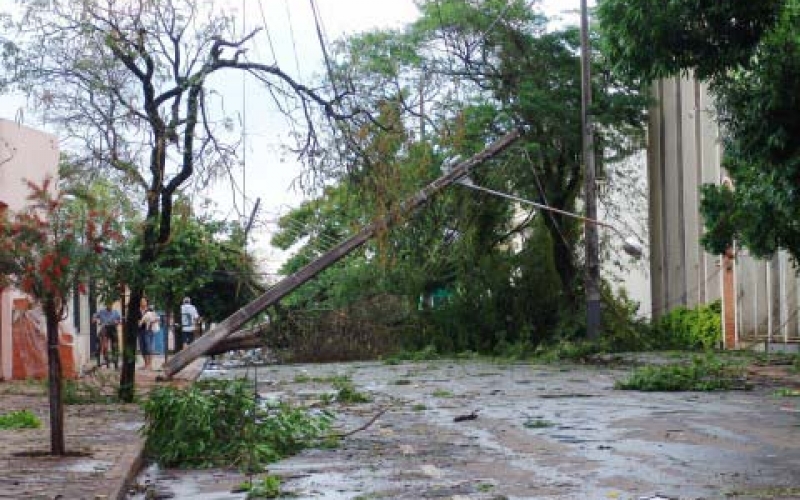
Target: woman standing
(148, 323)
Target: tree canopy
(442, 87)
(749, 53)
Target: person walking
(149, 324)
(189, 319)
(108, 319)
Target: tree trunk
(54, 374)
(127, 377)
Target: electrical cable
(291, 33)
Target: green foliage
(266, 487)
(347, 392)
(566, 350)
(749, 53)
(20, 419)
(537, 423)
(785, 392)
(509, 279)
(683, 328)
(206, 260)
(51, 244)
(704, 35)
(220, 423)
(700, 374)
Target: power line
(291, 33)
(321, 38)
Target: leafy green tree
(457, 78)
(749, 53)
(206, 260)
(44, 250)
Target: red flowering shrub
(51, 245)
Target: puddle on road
(154, 482)
(86, 466)
(128, 426)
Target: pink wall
(29, 154)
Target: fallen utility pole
(249, 338)
(231, 324)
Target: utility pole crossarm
(231, 324)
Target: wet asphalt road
(539, 432)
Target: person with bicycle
(108, 319)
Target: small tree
(44, 250)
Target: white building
(759, 297)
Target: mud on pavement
(477, 430)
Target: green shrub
(701, 374)
(684, 328)
(220, 423)
(22, 419)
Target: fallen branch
(469, 416)
(363, 427)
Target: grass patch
(21, 419)
(402, 381)
(442, 393)
(347, 392)
(700, 374)
(537, 423)
(419, 407)
(786, 392)
(97, 390)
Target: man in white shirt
(189, 318)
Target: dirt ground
(532, 432)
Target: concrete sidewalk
(103, 440)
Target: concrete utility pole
(590, 230)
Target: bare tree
(127, 82)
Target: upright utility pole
(590, 230)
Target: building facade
(759, 297)
(30, 155)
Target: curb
(132, 461)
(127, 469)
